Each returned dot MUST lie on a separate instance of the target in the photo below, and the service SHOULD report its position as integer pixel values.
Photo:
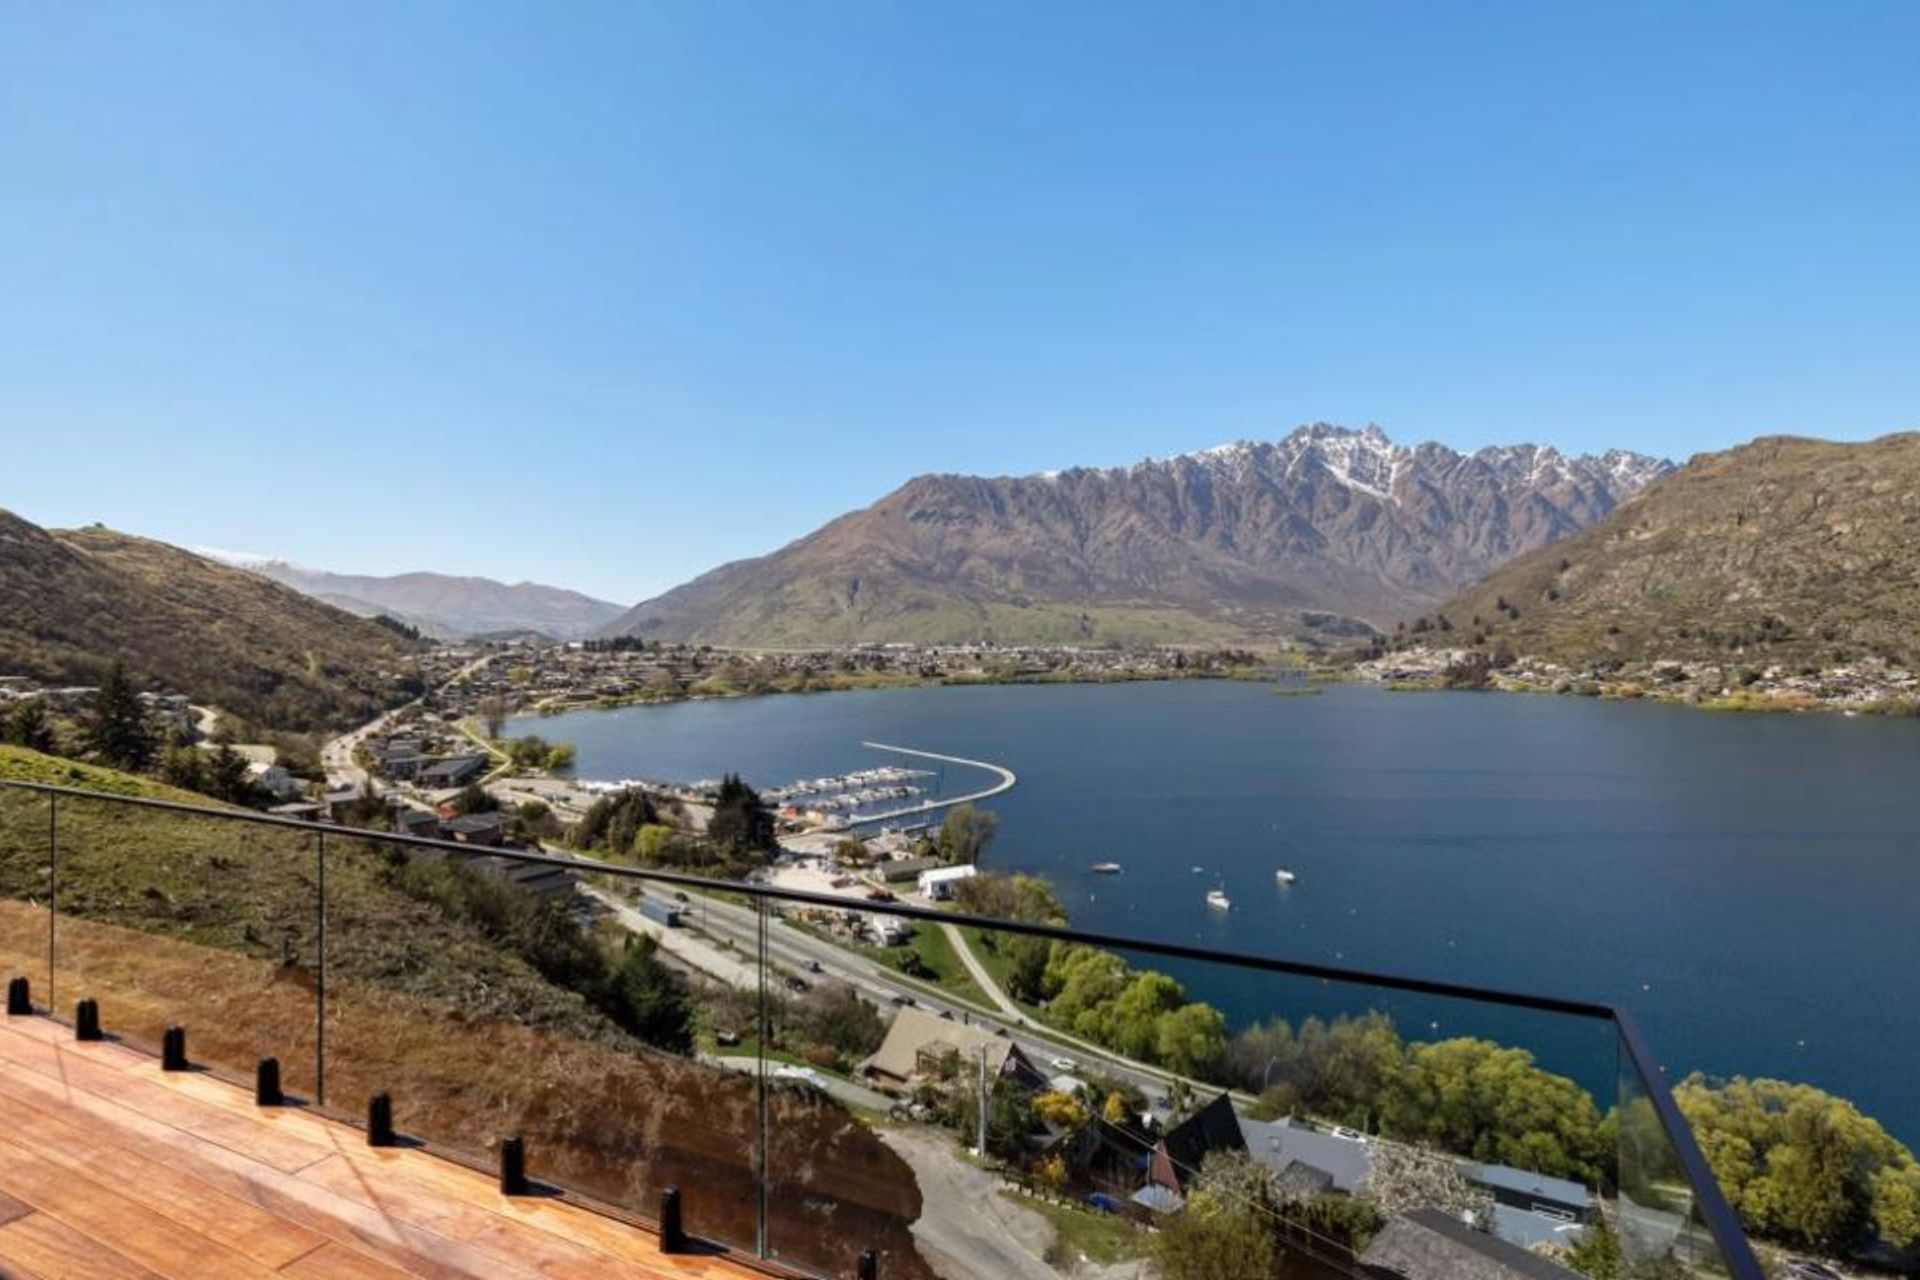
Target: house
(1178, 1155)
(489, 829)
(341, 802)
(924, 1046)
(401, 759)
(417, 822)
(938, 882)
(275, 780)
(1430, 1244)
(903, 870)
(1284, 1143)
(535, 877)
(454, 771)
(1532, 1208)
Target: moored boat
(1218, 900)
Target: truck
(660, 911)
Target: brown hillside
(72, 602)
(1783, 551)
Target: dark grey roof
(1524, 1183)
(472, 823)
(1430, 1244)
(1301, 1181)
(1277, 1144)
(1213, 1127)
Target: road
(795, 952)
(336, 756)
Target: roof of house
(1302, 1181)
(1280, 1143)
(454, 766)
(1214, 1127)
(471, 823)
(914, 1031)
(1526, 1228)
(1430, 1244)
(1500, 1177)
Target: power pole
(981, 1149)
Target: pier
(1004, 780)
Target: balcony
(493, 1062)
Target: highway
(794, 952)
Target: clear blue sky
(603, 295)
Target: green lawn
(1100, 1238)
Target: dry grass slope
(1785, 550)
(74, 601)
(169, 918)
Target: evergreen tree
(119, 733)
(740, 822)
(29, 727)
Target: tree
(1483, 1100)
(474, 798)
(1597, 1252)
(493, 714)
(1229, 1229)
(118, 732)
(29, 727)
(651, 1000)
(1190, 1039)
(1802, 1165)
(966, 833)
(740, 821)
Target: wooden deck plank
(337, 1262)
(37, 1247)
(179, 1174)
(163, 1187)
(416, 1252)
(60, 1063)
(138, 1233)
(11, 1209)
(543, 1251)
(107, 1052)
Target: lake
(1746, 885)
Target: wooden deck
(111, 1169)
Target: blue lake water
(1748, 886)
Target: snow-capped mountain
(1311, 533)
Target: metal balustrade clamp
(513, 1167)
(86, 1020)
(266, 1084)
(19, 998)
(173, 1049)
(380, 1120)
(673, 1234)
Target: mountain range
(447, 607)
(1329, 531)
(73, 601)
(1784, 550)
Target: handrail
(1721, 1221)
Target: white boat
(1107, 868)
(1284, 876)
(1217, 899)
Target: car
(897, 999)
(1351, 1135)
(798, 984)
(1103, 1202)
(1063, 1064)
(681, 894)
(813, 966)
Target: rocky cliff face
(1314, 533)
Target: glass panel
(1656, 1215)
(26, 886)
(492, 997)
(1036, 1102)
(208, 922)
